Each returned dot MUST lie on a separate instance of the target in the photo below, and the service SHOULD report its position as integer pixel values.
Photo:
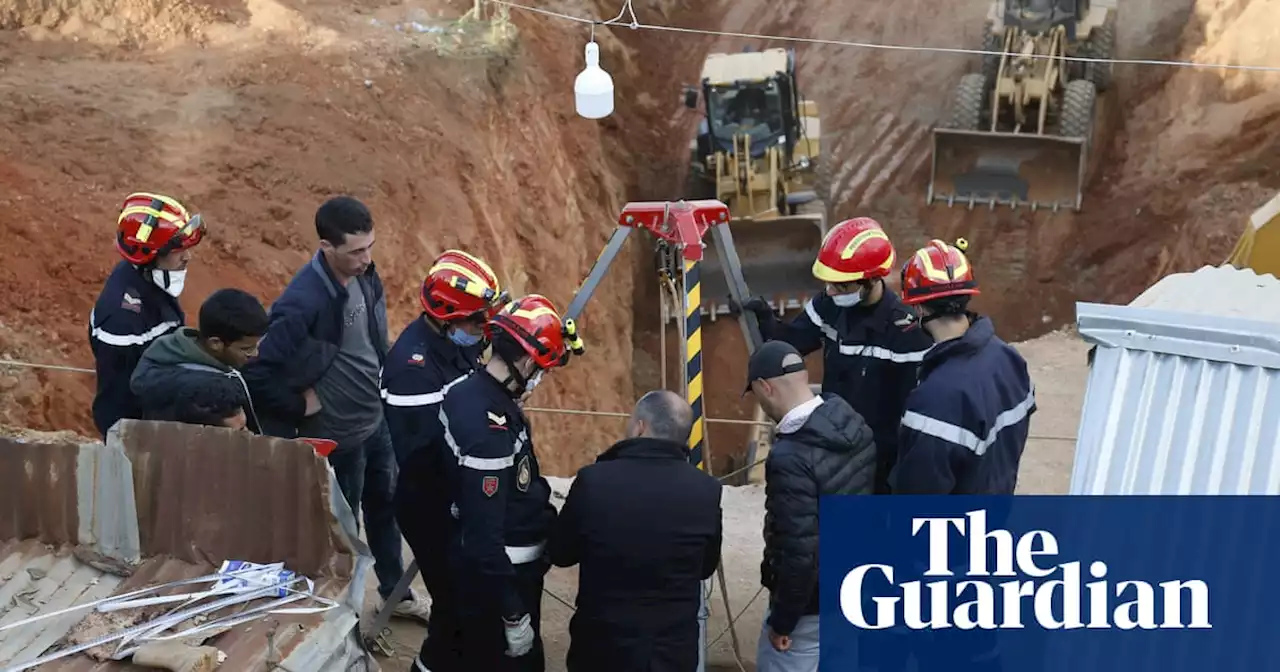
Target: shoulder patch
(131, 302)
(496, 420)
(906, 321)
(489, 485)
(417, 359)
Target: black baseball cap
(773, 359)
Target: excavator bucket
(776, 255)
(1018, 169)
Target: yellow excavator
(1020, 131)
(757, 151)
(1258, 247)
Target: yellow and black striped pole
(693, 359)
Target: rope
(636, 25)
(735, 619)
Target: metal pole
(692, 349)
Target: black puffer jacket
(832, 453)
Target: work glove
(519, 636)
(755, 304)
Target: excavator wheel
(968, 102)
(1101, 44)
(1077, 109)
(990, 62)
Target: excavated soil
(255, 111)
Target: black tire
(1101, 44)
(991, 64)
(1078, 109)
(968, 103)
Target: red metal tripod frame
(681, 222)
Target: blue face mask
(847, 300)
(462, 338)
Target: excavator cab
(757, 151)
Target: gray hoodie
(174, 363)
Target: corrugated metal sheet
(207, 493)
(1183, 395)
(203, 495)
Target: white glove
(519, 636)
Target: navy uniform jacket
(503, 503)
(130, 313)
(966, 424)
(871, 357)
(420, 368)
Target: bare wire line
(874, 45)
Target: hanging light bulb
(593, 89)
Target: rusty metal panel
(206, 494)
(33, 503)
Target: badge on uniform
(489, 485)
(417, 359)
(131, 303)
(496, 421)
(524, 474)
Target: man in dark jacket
(645, 526)
(231, 324)
(316, 375)
(823, 447)
(871, 341)
(155, 235)
(966, 425)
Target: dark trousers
(484, 640)
(423, 513)
(367, 475)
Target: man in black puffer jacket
(823, 447)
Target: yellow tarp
(1259, 245)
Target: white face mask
(171, 282)
(847, 300)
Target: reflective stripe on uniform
(424, 399)
(827, 330)
(877, 352)
(872, 351)
(129, 340)
(963, 437)
(520, 555)
(481, 463)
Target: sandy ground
(1057, 362)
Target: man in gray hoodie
(184, 365)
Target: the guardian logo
(1054, 603)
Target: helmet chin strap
(514, 376)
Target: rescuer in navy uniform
(966, 424)
(432, 354)
(871, 341)
(503, 504)
(139, 302)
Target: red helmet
(151, 226)
(535, 324)
(938, 270)
(460, 286)
(855, 249)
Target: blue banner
(1050, 584)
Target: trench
(1030, 264)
